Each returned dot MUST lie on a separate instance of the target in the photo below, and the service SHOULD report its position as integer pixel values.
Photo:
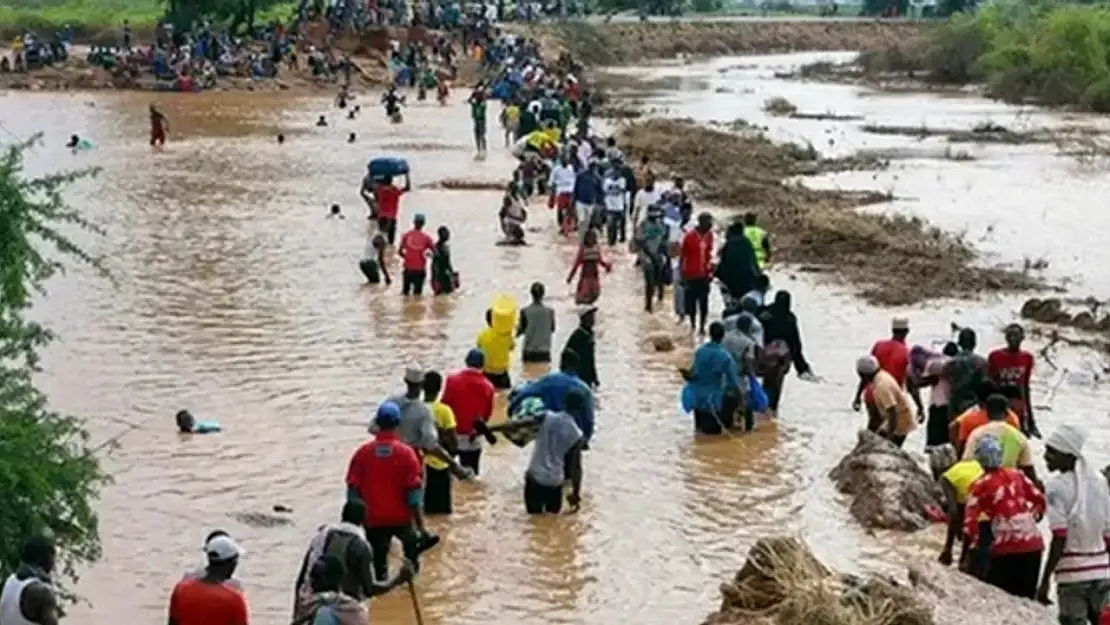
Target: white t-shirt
(615, 191)
(1085, 558)
(645, 198)
(562, 179)
(585, 152)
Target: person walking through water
(589, 260)
(477, 102)
(759, 239)
(372, 264)
(416, 246)
(346, 542)
(695, 263)
(328, 604)
(445, 280)
(28, 596)
(712, 374)
(387, 205)
(159, 127)
(581, 342)
(650, 242)
(537, 326)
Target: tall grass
(1051, 53)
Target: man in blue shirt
(553, 389)
(713, 381)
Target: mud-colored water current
(235, 297)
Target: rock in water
(890, 489)
(661, 343)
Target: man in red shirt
(387, 200)
(894, 357)
(695, 262)
(1012, 366)
(470, 395)
(209, 599)
(416, 246)
(387, 475)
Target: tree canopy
(49, 477)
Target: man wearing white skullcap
(1079, 518)
(889, 412)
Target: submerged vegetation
(1046, 53)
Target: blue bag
(387, 166)
(757, 397)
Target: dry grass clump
(783, 583)
(894, 260)
(779, 107)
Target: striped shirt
(1085, 557)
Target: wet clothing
(537, 325)
(712, 373)
(581, 342)
(348, 543)
(194, 602)
(553, 389)
(737, 267)
(336, 608)
(966, 373)
(11, 596)
(558, 435)
(444, 277)
(588, 265)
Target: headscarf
(919, 356)
(1070, 439)
(988, 452)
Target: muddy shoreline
(593, 44)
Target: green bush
(49, 477)
(1052, 54)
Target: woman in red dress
(589, 260)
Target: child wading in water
(588, 260)
(372, 263)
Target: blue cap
(475, 358)
(388, 415)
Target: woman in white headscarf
(1079, 518)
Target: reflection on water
(238, 299)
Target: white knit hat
(1068, 439)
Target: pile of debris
(819, 229)
(1052, 311)
(783, 583)
(890, 489)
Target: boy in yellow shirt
(497, 348)
(437, 484)
(510, 121)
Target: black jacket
(737, 268)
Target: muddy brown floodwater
(235, 297)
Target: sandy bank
(783, 583)
(626, 43)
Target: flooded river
(236, 298)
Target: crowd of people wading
(571, 184)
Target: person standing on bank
(470, 395)
(387, 475)
(28, 596)
(695, 263)
(1079, 519)
(537, 326)
(210, 600)
(581, 342)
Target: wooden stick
(416, 604)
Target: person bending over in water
(372, 263)
(393, 102)
(512, 217)
(321, 122)
(589, 260)
(335, 212)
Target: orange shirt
(194, 602)
(975, 417)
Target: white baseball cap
(222, 549)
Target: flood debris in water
(986, 132)
(779, 107)
(261, 519)
(890, 488)
(783, 583)
(423, 146)
(459, 184)
(821, 228)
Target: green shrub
(49, 477)
(1053, 54)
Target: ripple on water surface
(238, 299)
